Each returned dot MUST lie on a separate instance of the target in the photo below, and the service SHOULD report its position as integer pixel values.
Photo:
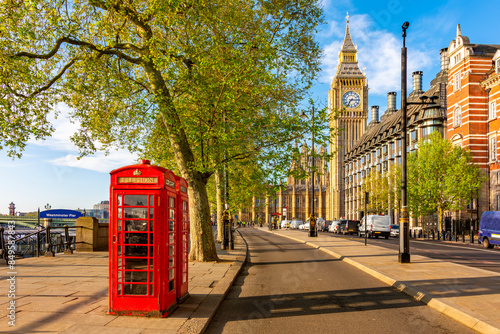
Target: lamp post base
(404, 258)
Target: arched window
(457, 116)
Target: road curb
(447, 308)
(201, 318)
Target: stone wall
(91, 235)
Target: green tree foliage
(383, 190)
(440, 177)
(198, 83)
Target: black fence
(29, 243)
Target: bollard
(463, 235)
(67, 248)
(48, 243)
(471, 233)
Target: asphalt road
(474, 255)
(289, 287)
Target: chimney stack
(391, 102)
(374, 114)
(417, 83)
(445, 60)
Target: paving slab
(468, 295)
(68, 293)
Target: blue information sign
(58, 213)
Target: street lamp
(313, 229)
(404, 234)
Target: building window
(498, 178)
(498, 202)
(493, 110)
(456, 82)
(457, 117)
(498, 66)
(493, 148)
(413, 135)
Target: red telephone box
(183, 238)
(143, 241)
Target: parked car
(489, 229)
(303, 226)
(349, 227)
(334, 226)
(394, 230)
(376, 226)
(328, 223)
(285, 224)
(342, 225)
(294, 224)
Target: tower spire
(348, 44)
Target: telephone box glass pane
(172, 202)
(171, 238)
(171, 285)
(172, 226)
(136, 251)
(136, 225)
(137, 264)
(171, 214)
(119, 200)
(151, 213)
(135, 289)
(171, 274)
(136, 276)
(136, 213)
(136, 238)
(170, 250)
(171, 262)
(151, 200)
(135, 200)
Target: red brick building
(473, 109)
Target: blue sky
(49, 172)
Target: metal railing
(47, 241)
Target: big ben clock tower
(348, 108)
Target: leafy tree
(440, 177)
(206, 82)
(383, 189)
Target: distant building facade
(473, 109)
(296, 198)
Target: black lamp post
(404, 228)
(404, 237)
(313, 228)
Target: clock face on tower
(351, 99)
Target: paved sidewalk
(468, 295)
(69, 294)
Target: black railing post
(48, 243)
(67, 249)
(3, 249)
(38, 243)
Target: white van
(378, 226)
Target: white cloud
(379, 56)
(98, 162)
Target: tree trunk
(441, 214)
(201, 236)
(202, 241)
(219, 186)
